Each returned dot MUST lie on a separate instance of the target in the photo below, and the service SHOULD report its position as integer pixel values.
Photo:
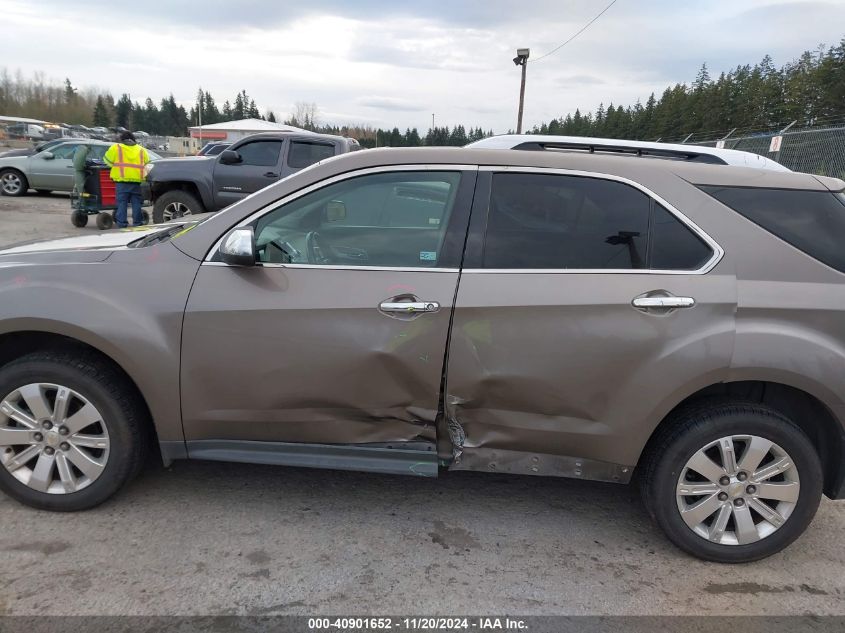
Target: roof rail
(676, 154)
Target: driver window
(387, 219)
(260, 153)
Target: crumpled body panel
(304, 355)
(562, 364)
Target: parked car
(212, 149)
(180, 187)
(29, 151)
(25, 130)
(676, 151)
(677, 320)
(48, 170)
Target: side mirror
(230, 157)
(238, 247)
(47, 155)
(335, 211)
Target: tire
(175, 204)
(667, 476)
(79, 219)
(146, 217)
(104, 221)
(119, 418)
(13, 183)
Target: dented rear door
(347, 350)
(586, 304)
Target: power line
(584, 28)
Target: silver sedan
(49, 170)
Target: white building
(234, 130)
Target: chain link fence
(814, 151)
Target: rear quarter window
(811, 221)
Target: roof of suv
(694, 172)
(678, 151)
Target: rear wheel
(104, 221)
(732, 482)
(70, 431)
(13, 183)
(175, 204)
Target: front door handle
(271, 174)
(409, 307)
(645, 303)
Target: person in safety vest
(127, 160)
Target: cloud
(390, 103)
(389, 63)
(580, 80)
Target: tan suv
(424, 310)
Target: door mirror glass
(230, 157)
(335, 211)
(238, 247)
(47, 155)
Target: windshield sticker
(428, 256)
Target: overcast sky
(395, 62)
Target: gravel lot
(207, 538)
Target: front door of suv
(560, 345)
(338, 335)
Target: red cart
(98, 197)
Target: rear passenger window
(550, 221)
(304, 154)
(673, 245)
(812, 221)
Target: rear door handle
(271, 174)
(409, 307)
(663, 302)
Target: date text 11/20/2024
(416, 624)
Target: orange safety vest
(128, 165)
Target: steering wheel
(317, 251)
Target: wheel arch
(808, 410)
(159, 188)
(14, 345)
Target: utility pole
(521, 59)
(199, 114)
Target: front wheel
(70, 431)
(732, 482)
(175, 204)
(13, 183)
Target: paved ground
(206, 538)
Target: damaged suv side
(423, 310)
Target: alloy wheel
(52, 439)
(175, 210)
(738, 490)
(11, 183)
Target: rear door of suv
(585, 303)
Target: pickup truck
(187, 186)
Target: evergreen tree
(101, 116)
(123, 111)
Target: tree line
(809, 90)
